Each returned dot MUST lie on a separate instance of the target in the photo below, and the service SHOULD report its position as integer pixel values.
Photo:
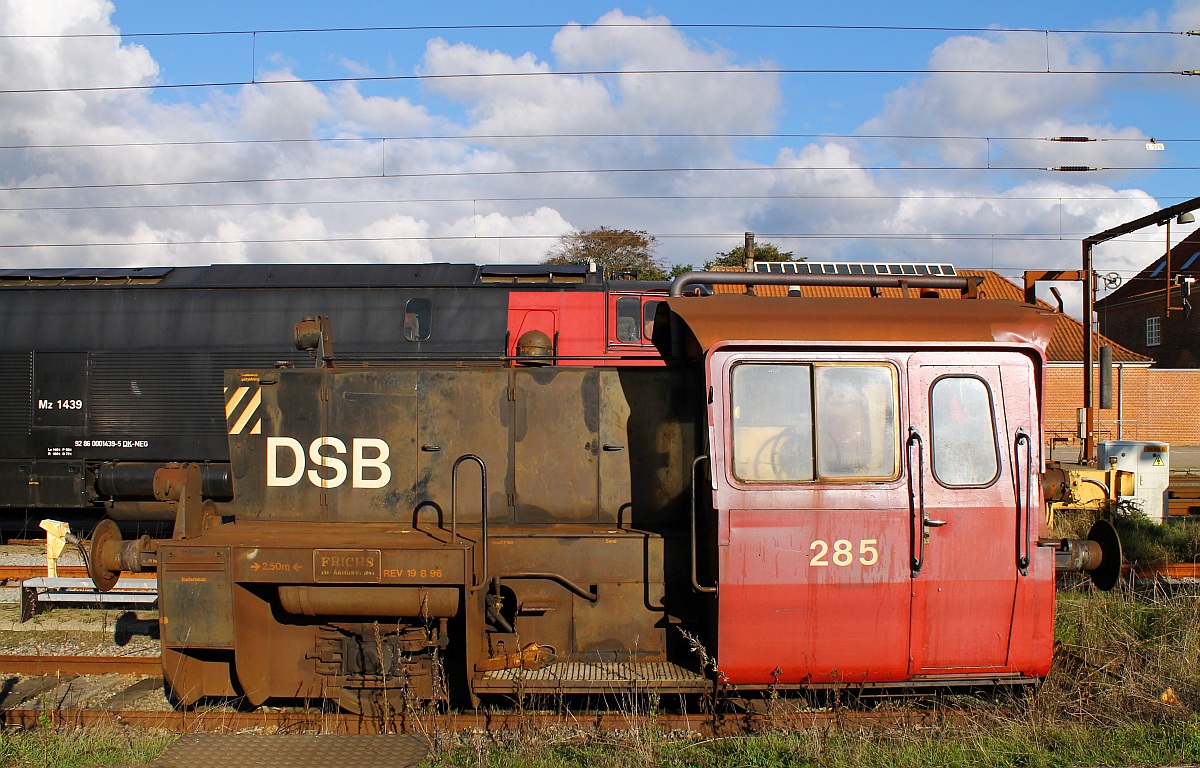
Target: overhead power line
(556, 198)
(573, 136)
(593, 73)
(648, 24)
(589, 171)
(913, 236)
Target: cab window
(800, 422)
(963, 446)
(648, 311)
(418, 319)
(629, 319)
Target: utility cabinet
(1151, 466)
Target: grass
(1124, 691)
(1143, 542)
(1147, 543)
(80, 747)
(986, 744)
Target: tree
(736, 257)
(616, 250)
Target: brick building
(1135, 315)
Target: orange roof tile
(1066, 345)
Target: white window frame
(1153, 331)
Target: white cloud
(447, 191)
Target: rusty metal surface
(714, 319)
(249, 750)
(81, 665)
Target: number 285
(842, 552)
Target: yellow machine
(1072, 487)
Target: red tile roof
(1066, 345)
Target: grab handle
(1024, 504)
(695, 582)
(916, 502)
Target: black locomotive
(108, 374)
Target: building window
(1153, 331)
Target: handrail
(967, 285)
(1023, 554)
(916, 502)
(557, 578)
(483, 519)
(695, 582)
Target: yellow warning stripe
(231, 403)
(251, 409)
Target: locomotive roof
(730, 317)
(303, 276)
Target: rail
(80, 665)
(22, 572)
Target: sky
(138, 133)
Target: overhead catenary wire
(855, 168)
(641, 24)
(483, 137)
(587, 171)
(590, 73)
(562, 198)
(783, 236)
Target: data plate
(347, 565)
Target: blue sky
(938, 163)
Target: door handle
(933, 523)
(611, 447)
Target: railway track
(80, 665)
(43, 676)
(317, 721)
(12, 573)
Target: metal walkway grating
(577, 676)
(248, 750)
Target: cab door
(971, 444)
(812, 518)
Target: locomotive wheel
(372, 702)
